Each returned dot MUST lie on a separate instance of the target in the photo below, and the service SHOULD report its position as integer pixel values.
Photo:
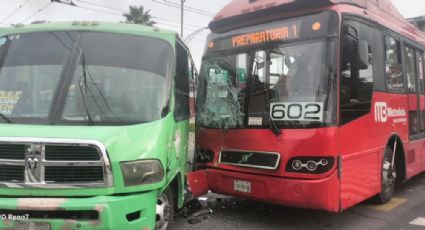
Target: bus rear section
(306, 106)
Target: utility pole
(182, 17)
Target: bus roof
(241, 13)
(92, 26)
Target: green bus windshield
(69, 77)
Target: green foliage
(138, 15)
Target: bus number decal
(297, 111)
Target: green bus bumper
(114, 212)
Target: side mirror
(363, 52)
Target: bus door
(421, 82)
(415, 149)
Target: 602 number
(300, 111)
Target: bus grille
(54, 164)
(261, 160)
(71, 153)
(12, 152)
(67, 174)
(12, 173)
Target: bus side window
(357, 73)
(182, 110)
(393, 67)
(411, 73)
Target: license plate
(32, 226)
(242, 186)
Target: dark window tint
(421, 88)
(182, 111)
(420, 63)
(394, 72)
(357, 83)
(30, 68)
(409, 56)
(121, 79)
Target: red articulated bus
(310, 103)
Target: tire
(164, 209)
(388, 177)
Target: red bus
(310, 103)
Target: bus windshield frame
(241, 87)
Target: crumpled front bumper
(322, 194)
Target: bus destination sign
(257, 36)
(267, 35)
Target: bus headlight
(142, 172)
(311, 165)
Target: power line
(37, 12)
(14, 12)
(126, 11)
(101, 5)
(70, 3)
(176, 5)
(194, 34)
(192, 8)
(177, 22)
(98, 11)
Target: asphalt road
(406, 211)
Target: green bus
(94, 122)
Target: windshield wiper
(6, 118)
(273, 126)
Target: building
(418, 22)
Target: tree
(138, 15)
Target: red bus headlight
(310, 165)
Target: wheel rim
(388, 176)
(163, 212)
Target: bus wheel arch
(400, 158)
(177, 188)
(392, 170)
(167, 204)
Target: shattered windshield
(84, 78)
(273, 75)
(289, 84)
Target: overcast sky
(167, 16)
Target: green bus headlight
(142, 172)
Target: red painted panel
(315, 194)
(291, 143)
(197, 182)
(362, 144)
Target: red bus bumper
(322, 194)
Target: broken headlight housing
(142, 172)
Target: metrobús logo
(383, 112)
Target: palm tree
(138, 15)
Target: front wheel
(164, 209)
(388, 177)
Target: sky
(167, 16)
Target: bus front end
(88, 137)
(266, 113)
